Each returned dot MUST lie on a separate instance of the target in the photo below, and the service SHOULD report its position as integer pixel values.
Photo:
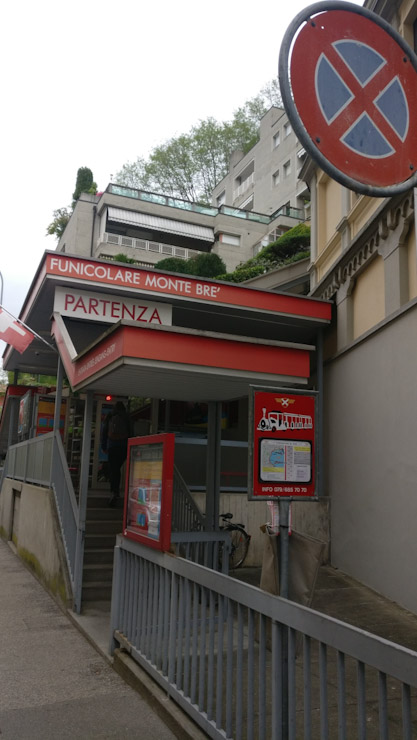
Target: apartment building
(149, 227)
(266, 178)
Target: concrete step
(104, 526)
(94, 540)
(101, 500)
(104, 513)
(98, 572)
(93, 555)
(96, 591)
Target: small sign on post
(283, 445)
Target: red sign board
(354, 86)
(283, 448)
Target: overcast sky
(97, 84)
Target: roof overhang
(179, 364)
(224, 337)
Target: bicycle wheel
(239, 546)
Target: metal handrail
(66, 502)
(186, 516)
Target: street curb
(177, 721)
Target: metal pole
(284, 524)
(320, 403)
(82, 505)
(213, 464)
(154, 415)
(58, 395)
(12, 421)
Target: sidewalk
(53, 683)
(343, 598)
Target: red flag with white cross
(14, 332)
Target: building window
(276, 140)
(247, 204)
(287, 129)
(275, 178)
(221, 199)
(287, 168)
(232, 239)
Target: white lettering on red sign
(109, 309)
(135, 278)
(97, 359)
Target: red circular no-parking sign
(354, 96)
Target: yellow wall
(369, 298)
(412, 264)
(329, 209)
(407, 15)
(362, 210)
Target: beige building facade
(363, 258)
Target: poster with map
(282, 447)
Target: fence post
(115, 596)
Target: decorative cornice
(367, 244)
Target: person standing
(116, 431)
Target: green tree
(189, 166)
(205, 264)
(59, 222)
(172, 264)
(121, 257)
(84, 184)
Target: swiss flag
(13, 332)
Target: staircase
(102, 526)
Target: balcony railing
(167, 250)
(162, 200)
(186, 205)
(290, 212)
(249, 215)
(244, 186)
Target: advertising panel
(44, 415)
(283, 447)
(149, 484)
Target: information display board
(282, 446)
(149, 485)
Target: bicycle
(239, 541)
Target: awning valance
(159, 223)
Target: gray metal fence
(42, 461)
(31, 460)
(248, 665)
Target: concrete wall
(76, 238)
(371, 461)
(308, 518)
(28, 518)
